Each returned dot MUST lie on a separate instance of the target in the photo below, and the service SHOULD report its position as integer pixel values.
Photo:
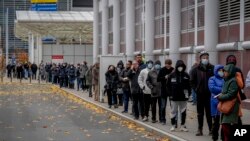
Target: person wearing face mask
(155, 88)
(199, 82)
(215, 85)
(230, 120)
(145, 89)
(78, 80)
(180, 89)
(112, 80)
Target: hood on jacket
(120, 63)
(230, 68)
(180, 63)
(216, 69)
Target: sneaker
(184, 128)
(145, 119)
(172, 129)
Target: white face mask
(204, 61)
(150, 66)
(220, 73)
(180, 69)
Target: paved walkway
(191, 121)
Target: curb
(148, 127)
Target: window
(247, 9)
(201, 16)
(139, 5)
(122, 23)
(229, 10)
(160, 17)
(110, 25)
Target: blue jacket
(215, 85)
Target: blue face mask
(157, 66)
(150, 66)
(220, 73)
(204, 61)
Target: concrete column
(31, 48)
(40, 49)
(211, 29)
(174, 29)
(116, 27)
(36, 52)
(105, 34)
(149, 29)
(130, 29)
(96, 29)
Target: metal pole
(7, 35)
(165, 31)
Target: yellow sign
(43, 1)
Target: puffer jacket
(153, 84)
(179, 83)
(215, 84)
(142, 78)
(229, 92)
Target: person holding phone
(215, 84)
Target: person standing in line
(230, 91)
(199, 82)
(179, 86)
(162, 77)
(34, 70)
(145, 89)
(155, 88)
(89, 80)
(137, 96)
(120, 68)
(95, 74)
(125, 86)
(215, 84)
(112, 80)
(78, 76)
(83, 70)
(248, 80)
(71, 76)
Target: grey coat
(153, 84)
(83, 70)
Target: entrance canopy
(64, 26)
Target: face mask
(204, 61)
(220, 73)
(150, 66)
(180, 69)
(157, 66)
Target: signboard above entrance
(43, 1)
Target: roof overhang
(65, 26)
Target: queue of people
(150, 86)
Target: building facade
(25, 5)
(175, 29)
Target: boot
(199, 132)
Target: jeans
(163, 109)
(147, 103)
(194, 98)
(79, 82)
(126, 94)
(204, 104)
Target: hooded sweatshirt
(179, 83)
